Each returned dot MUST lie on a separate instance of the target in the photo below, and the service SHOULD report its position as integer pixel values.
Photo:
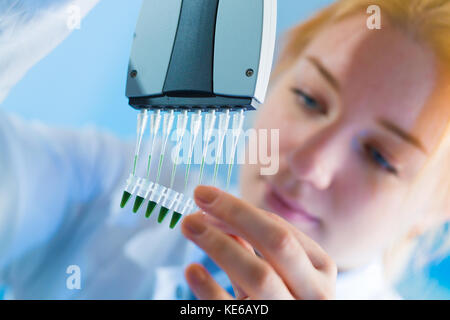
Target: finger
(277, 243)
(219, 224)
(318, 256)
(251, 273)
(238, 291)
(203, 284)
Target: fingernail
(194, 225)
(206, 195)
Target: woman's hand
(291, 266)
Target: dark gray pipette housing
(202, 54)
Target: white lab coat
(59, 206)
(60, 192)
(60, 189)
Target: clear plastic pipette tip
(181, 130)
(238, 124)
(224, 120)
(150, 207)
(178, 210)
(176, 216)
(210, 121)
(141, 125)
(196, 122)
(125, 198)
(168, 119)
(154, 123)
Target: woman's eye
(309, 102)
(379, 159)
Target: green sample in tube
(137, 204)
(151, 206)
(162, 214)
(175, 218)
(125, 197)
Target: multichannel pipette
(214, 68)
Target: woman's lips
(285, 208)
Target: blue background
(83, 82)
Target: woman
(364, 156)
(364, 149)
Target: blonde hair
(428, 21)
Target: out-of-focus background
(82, 82)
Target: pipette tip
(125, 197)
(175, 218)
(162, 214)
(150, 207)
(137, 204)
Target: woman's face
(353, 136)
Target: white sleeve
(42, 170)
(29, 30)
(46, 171)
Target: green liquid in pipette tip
(201, 171)
(175, 218)
(174, 170)
(150, 207)
(137, 204)
(187, 175)
(161, 159)
(148, 165)
(135, 164)
(230, 169)
(125, 197)
(216, 170)
(162, 214)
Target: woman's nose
(317, 160)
